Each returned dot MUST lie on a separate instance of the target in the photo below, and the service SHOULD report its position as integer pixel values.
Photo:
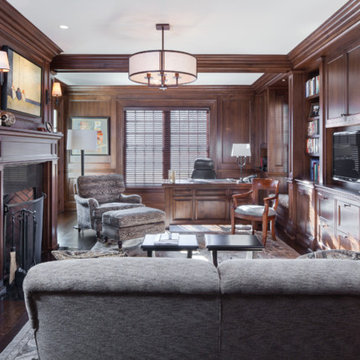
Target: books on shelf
(312, 86)
(313, 127)
(314, 170)
(312, 145)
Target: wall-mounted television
(346, 156)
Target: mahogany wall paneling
(258, 130)
(278, 132)
(305, 215)
(234, 127)
(336, 88)
(354, 81)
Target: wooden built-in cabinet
(342, 89)
(338, 216)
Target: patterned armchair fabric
(97, 194)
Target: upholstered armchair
(97, 194)
(255, 212)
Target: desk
(200, 202)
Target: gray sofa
(170, 308)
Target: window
(157, 141)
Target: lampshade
(56, 89)
(4, 62)
(240, 150)
(162, 68)
(81, 140)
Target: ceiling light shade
(56, 89)
(162, 68)
(4, 62)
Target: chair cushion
(98, 212)
(133, 217)
(253, 210)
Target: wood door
(354, 81)
(336, 88)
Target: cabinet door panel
(336, 76)
(326, 237)
(347, 242)
(348, 218)
(354, 80)
(182, 209)
(208, 209)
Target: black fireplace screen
(23, 223)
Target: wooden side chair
(254, 212)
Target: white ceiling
(122, 78)
(197, 26)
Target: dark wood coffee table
(186, 242)
(229, 242)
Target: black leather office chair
(203, 169)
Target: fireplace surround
(20, 147)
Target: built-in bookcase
(312, 123)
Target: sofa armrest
(87, 202)
(132, 198)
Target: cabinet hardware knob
(347, 205)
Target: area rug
(22, 347)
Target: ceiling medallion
(162, 68)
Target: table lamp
(241, 151)
(81, 140)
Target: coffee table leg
(214, 256)
(189, 254)
(149, 253)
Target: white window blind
(188, 140)
(157, 141)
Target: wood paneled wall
(22, 36)
(231, 117)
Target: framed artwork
(101, 125)
(314, 110)
(22, 85)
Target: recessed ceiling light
(64, 27)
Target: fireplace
(23, 218)
(28, 168)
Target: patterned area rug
(23, 345)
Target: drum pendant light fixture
(162, 68)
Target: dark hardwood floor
(13, 314)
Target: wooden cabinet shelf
(312, 97)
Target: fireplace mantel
(21, 147)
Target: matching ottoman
(122, 225)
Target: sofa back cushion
(125, 308)
(104, 188)
(294, 309)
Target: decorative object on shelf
(101, 126)
(313, 128)
(4, 65)
(314, 110)
(22, 85)
(162, 68)
(41, 128)
(241, 151)
(7, 118)
(172, 176)
(81, 140)
(49, 127)
(56, 92)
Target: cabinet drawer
(210, 193)
(348, 218)
(182, 192)
(347, 241)
(326, 207)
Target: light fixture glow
(56, 89)
(162, 68)
(63, 27)
(4, 62)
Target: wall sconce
(4, 65)
(55, 93)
